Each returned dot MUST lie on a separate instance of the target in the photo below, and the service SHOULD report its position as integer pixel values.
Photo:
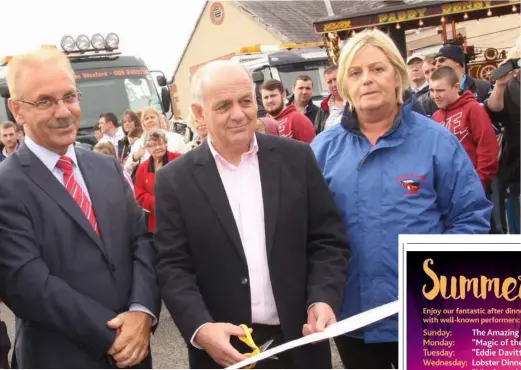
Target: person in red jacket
(155, 142)
(292, 124)
(467, 120)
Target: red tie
(75, 190)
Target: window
(289, 73)
(115, 90)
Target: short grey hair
(155, 135)
(205, 73)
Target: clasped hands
(214, 338)
(132, 338)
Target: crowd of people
(285, 221)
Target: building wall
(210, 41)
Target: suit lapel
(207, 175)
(98, 201)
(39, 174)
(269, 168)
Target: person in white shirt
(111, 130)
(151, 119)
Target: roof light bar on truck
(96, 43)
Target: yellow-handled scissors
(248, 340)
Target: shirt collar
(118, 134)
(462, 83)
(4, 152)
(254, 148)
(425, 84)
(49, 158)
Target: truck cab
(108, 81)
(285, 62)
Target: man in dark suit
(247, 233)
(76, 261)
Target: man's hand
(133, 336)
(503, 81)
(320, 316)
(214, 338)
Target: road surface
(168, 348)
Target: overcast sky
(155, 30)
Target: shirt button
(256, 303)
(244, 281)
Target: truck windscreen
(315, 70)
(114, 90)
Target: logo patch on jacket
(411, 184)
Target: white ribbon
(339, 328)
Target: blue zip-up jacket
(417, 179)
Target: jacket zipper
(363, 160)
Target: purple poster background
(469, 333)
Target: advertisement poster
(462, 305)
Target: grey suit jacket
(59, 278)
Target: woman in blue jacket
(392, 171)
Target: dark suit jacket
(201, 265)
(58, 277)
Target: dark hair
(271, 85)
(302, 78)
(96, 127)
(136, 132)
(111, 117)
(331, 68)
(133, 117)
(447, 73)
(19, 128)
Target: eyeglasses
(68, 99)
(157, 144)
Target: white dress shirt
(49, 159)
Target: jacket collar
(350, 120)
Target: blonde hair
(383, 42)
(105, 148)
(148, 110)
(21, 63)
(190, 118)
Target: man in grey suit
(76, 261)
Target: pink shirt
(244, 190)
(129, 179)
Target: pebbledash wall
(220, 31)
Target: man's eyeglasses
(68, 99)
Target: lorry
(285, 62)
(108, 81)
